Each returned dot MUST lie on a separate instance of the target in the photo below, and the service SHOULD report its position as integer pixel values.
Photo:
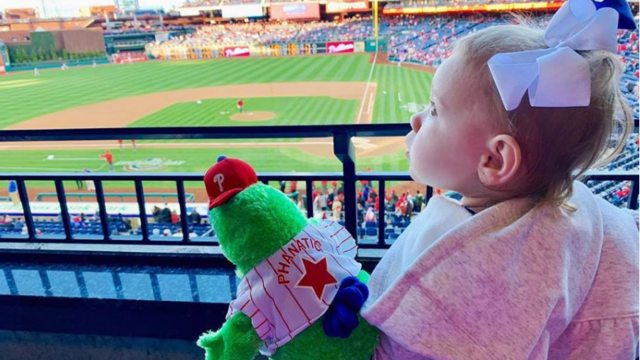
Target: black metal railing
(343, 150)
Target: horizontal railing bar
(301, 176)
(77, 240)
(598, 175)
(205, 132)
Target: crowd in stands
(420, 3)
(411, 3)
(146, 30)
(166, 223)
(266, 32)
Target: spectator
(165, 214)
(174, 217)
(408, 209)
(330, 198)
(195, 217)
(373, 196)
(418, 200)
(127, 224)
(156, 214)
(166, 233)
(370, 216)
(337, 209)
(365, 191)
(294, 197)
(18, 223)
(360, 201)
(321, 201)
(156, 232)
(13, 192)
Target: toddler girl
(530, 265)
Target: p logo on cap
(227, 178)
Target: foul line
(370, 104)
(375, 58)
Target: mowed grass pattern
(57, 90)
(23, 97)
(321, 110)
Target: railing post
(381, 213)
(345, 152)
(309, 198)
(26, 209)
(633, 196)
(102, 208)
(64, 210)
(428, 195)
(142, 210)
(183, 211)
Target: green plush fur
(250, 227)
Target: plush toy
(301, 289)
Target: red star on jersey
(316, 276)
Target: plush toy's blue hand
(626, 20)
(342, 316)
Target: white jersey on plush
(291, 289)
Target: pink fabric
(514, 282)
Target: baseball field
(338, 89)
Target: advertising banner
(347, 6)
(341, 47)
(237, 51)
(306, 11)
(242, 11)
(122, 58)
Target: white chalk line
(370, 103)
(375, 58)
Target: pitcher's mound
(254, 116)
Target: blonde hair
(558, 145)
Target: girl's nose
(416, 122)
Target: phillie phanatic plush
(301, 289)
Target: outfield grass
(319, 110)
(23, 97)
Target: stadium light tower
(44, 9)
(375, 21)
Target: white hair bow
(558, 76)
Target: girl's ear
(500, 163)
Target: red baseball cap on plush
(227, 178)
